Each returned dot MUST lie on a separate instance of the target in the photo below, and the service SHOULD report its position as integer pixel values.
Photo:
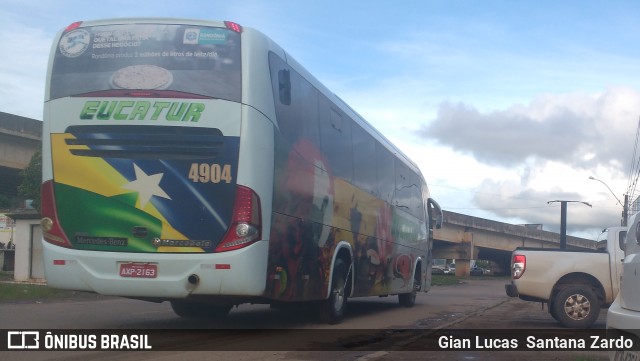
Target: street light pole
(625, 206)
(563, 220)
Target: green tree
(5, 202)
(483, 264)
(32, 180)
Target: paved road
(475, 304)
(439, 306)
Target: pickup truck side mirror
(622, 236)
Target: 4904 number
(210, 173)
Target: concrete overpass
(465, 238)
(20, 138)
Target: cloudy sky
(505, 105)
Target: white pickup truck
(574, 284)
(623, 318)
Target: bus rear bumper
(239, 273)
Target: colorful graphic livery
(146, 179)
(188, 161)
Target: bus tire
(195, 309)
(576, 306)
(332, 309)
(409, 299)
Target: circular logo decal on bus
(191, 36)
(74, 43)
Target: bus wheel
(195, 309)
(332, 309)
(409, 299)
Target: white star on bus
(146, 186)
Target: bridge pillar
(463, 266)
(463, 252)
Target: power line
(486, 193)
(486, 208)
(635, 166)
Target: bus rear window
(191, 59)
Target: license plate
(139, 270)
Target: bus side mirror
(284, 85)
(435, 213)
(622, 236)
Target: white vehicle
(623, 317)
(575, 284)
(197, 162)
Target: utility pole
(625, 210)
(563, 220)
(625, 207)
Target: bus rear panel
(140, 187)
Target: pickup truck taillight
(518, 265)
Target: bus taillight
(233, 26)
(73, 26)
(246, 223)
(51, 230)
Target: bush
(32, 180)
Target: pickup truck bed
(574, 283)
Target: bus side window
(364, 160)
(407, 194)
(402, 194)
(335, 139)
(304, 101)
(416, 196)
(385, 173)
(296, 103)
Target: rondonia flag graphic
(136, 189)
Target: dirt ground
(512, 315)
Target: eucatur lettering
(141, 110)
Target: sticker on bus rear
(74, 43)
(203, 36)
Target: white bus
(196, 162)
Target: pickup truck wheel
(576, 306)
(552, 312)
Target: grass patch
(6, 276)
(444, 280)
(27, 292)
(23, 292)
